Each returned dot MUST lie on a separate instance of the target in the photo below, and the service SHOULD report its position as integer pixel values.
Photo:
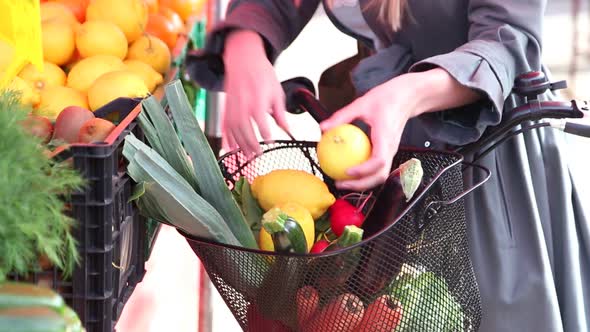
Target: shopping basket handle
(434, 207)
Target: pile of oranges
(95, 51)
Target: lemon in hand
(341, 148)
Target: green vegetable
(162, 137)
(31, 319)
(322, 225)
(351, 235)
(32, 219)
(428, 304)
(287, 235)
(194, 198)
(72, 320)
(29, 308)
(213, 186)
(167, 196)
(17, 294)
(250, 207)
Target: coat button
(427, 144)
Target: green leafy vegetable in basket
(189, 193)
(32, 219)
(428, 304)
(249, 205)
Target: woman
(441, 73)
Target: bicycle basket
(415, 278)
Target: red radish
(319, 246)
(343, 213)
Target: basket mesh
(406, 278)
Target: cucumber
(31, 319)
(287, 235)
(351, 235)
(16, 294)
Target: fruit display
(96, 51)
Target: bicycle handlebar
(300, 96)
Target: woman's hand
(387, 108)
(252, 92)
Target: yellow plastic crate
(20, 37)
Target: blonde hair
(391, 11)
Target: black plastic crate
(114, 241)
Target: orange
(185, 8)
(58, 42)
(153, 51)
(78, 7)
(129, 15)
(174, 19)
(159, 26)
(54, 11)
(152, 6)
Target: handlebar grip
(577, 129)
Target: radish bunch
(342, 213)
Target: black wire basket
(413, 275)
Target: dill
(32, 187)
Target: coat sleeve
(277, 22)
(503, 42)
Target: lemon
(55, 98)
(341, 148)
(152, 51)
(51, 75)
(86, 71)
(301, 215)
(150, 77)
(28, 95)
(101, 38)
(58, 42)
(113, 85)
(295, 186)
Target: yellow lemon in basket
(150, 76)
(295, 186)
(152, 51)
(51, 75)
(113, 85)
(341, 148)
(101, 38)
(130, 16)
(86, 71)
(301, 215)
(28, 95)
(58, 42)
(55, 98)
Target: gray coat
(529, 233)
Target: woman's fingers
(279, 111)
(345, 115)
(374, 171)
